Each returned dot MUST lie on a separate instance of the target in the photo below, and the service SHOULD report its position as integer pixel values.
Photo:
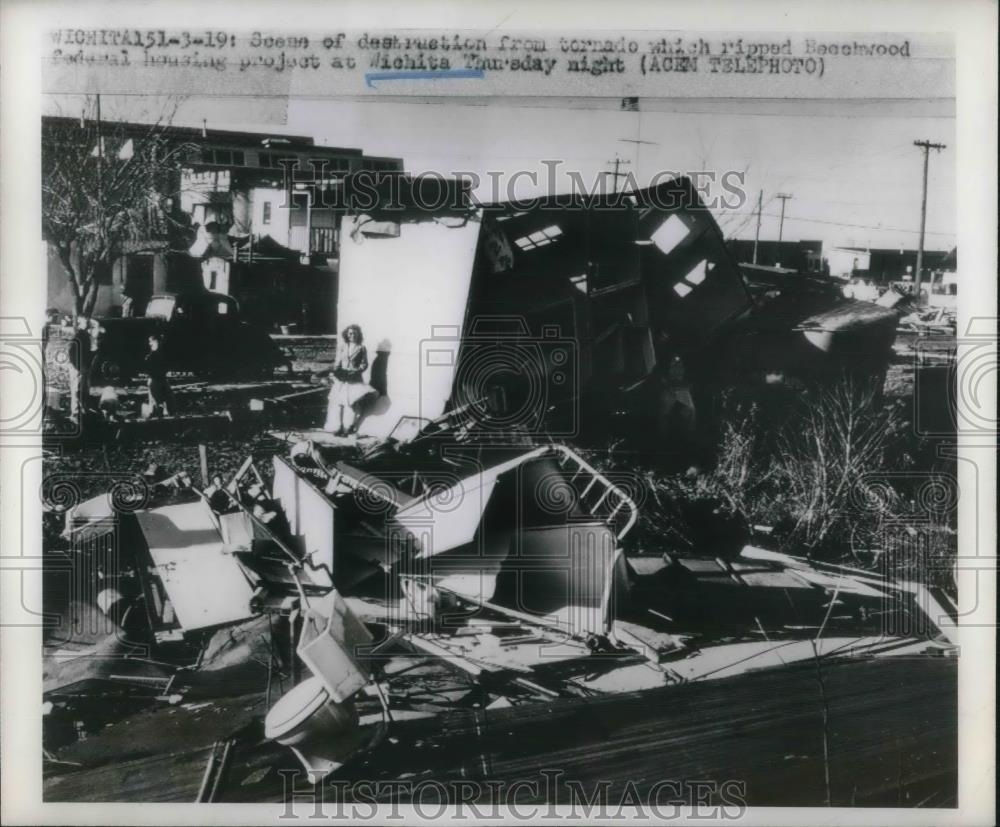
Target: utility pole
(781, 227)
(756, 238)
(100, 146)
(638, 149)
(618, 162)
(100, 152)
(100, 177)
(926, 146)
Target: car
(202, 333)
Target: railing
(320, 240)
(324, 240)
(598, 495)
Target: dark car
(202, 333)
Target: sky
(851, 168)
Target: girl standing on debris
(349, 387)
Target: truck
(202, 333)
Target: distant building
(846, 262)
(242, 236)
(881, 265)
(944, 283)
(803, 256)
(895, 264)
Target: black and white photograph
(478, 418)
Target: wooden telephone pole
(781, 227)
(756, 238)
(638, 150)
(926, 146)
(618, 162)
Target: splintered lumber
(172, 777)
(206, 779)
(891, 725)
(523, 617)
(285, 399)
(447, 656)
(161, 426)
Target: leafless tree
(107, 190)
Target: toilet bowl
(321, 732)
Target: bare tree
(107, 190)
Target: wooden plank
(891, 727)
(174, 777)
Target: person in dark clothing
(161, 396)
(79, 370)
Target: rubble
(456, 562)
(350, 590)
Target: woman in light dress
(349, 386)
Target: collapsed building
(456, 596)
(564, 315)
(360, 604)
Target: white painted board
(409, 296)
(206, 585)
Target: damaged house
(560, 316)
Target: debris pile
(456, 562)
(357, 591)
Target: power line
(840, 223)
(727, 218)
(638, 144)
(618, 162)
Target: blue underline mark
(440, 74)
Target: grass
(840, 476)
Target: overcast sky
(851, 168)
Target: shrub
(825, 478)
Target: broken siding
(205, 584)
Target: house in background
(233, 229)
(878, 264)
(846, 262)
(894, 264)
